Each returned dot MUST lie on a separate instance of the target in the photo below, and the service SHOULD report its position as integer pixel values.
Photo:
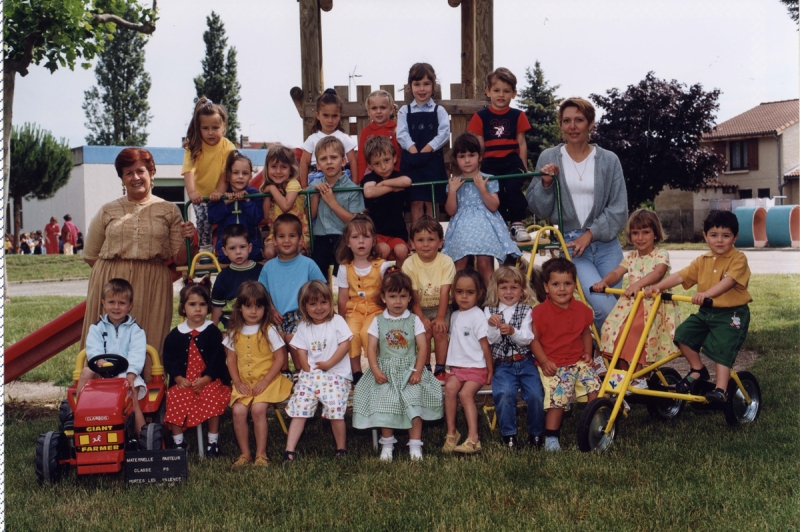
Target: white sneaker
(639, 383)
(551, 444)
(519, 233)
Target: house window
(738, 158)
(172, 194)
(763, 192)
(746, 193)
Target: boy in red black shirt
(501, 131)
(562, 345)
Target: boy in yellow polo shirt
(721, 274)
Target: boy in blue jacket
(118, 333)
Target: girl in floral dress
(195, 362)
(646, 265)
(476, 227)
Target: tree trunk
(9, 77)
(17, 222)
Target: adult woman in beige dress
(133, 238)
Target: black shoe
(717, 395)
(511, 443)
(182, 445)
(287, 374)
(357, 377)
(535, 441)
(212, 451)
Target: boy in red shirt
(501, 130)
(562, 345)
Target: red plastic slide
(44, 343)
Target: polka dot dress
(187, 409)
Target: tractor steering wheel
(115, 364)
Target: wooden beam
(484, 41)
(454, 3)
(310, 57)
(296, 94)
(326, 5)
(453, 107)
(468, 47)
(458, 123)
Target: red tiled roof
(794, 172)
(766, 119)
(256, 145)
(715, 183)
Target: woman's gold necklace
(585, 165)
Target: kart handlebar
(665, 296)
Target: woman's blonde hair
(584, 107)
(282, 154)
(250, 292)
(382, 94)
(364, 225)
(642, 219)
(509, 274)
(311, 292)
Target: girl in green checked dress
(397, 391)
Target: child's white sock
(387, 449)
(177, 438)
(213, 438)
(415, 449)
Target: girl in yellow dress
(646, 265)
(255, 354)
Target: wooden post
(458, 123)
(468, 47)
(310, 56)
(344, 93)
(362, 92)
(484, 42)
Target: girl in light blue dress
(476, 228)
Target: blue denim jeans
(508, 378)
(597, 261)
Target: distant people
(51, 233)
(8, 245)
(69, 235)
(38, 247)
(79, 244)
(24, 246)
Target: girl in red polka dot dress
(195, 361)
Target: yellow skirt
(278, 390)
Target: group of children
(496, 335)
(484, 324)
(392, 156)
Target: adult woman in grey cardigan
(593, 196)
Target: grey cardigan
(610, 209)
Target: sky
(746, 48)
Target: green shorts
(719, 332)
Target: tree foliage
(218, 81)
(117, 109)
(655, 128)
(791, 6)
(540, 103)
(42, 165)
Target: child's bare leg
(177, 430)
(417, 210)
(461, 263)
(270, 252)
(387, 433)
(692, 356)
(240, 428)
(339, 433)
(470, 410)
(259, 414)
(213, 425)
(137, 415)
(428, 208)
(295, 431)
(400, 254)
(383, 247)
(147, 371)
(451, 389)
(440, 347)
(552, 420)
(485, 266)
(86, 376)
(292, 353)
(415, 432)
(355, 364)
(723, 376)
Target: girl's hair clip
(392, 269)
(208, 102)
(330, 91)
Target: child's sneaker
(468, 447)
(387, 448)
(510, 442)
(212, 450)
(288, 374)
(415, 450)
(451, 442)
(551, 444)
(441, 375)
(518, 232)
(535, 441)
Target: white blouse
(580, 180)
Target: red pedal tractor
(94, 434)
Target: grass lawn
(691, 473)
(39, 267)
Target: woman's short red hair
(129, 156)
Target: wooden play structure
(477, 58)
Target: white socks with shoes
(387, 448)
(415, 450)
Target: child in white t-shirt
(469, 358)
(327, 123)
(322, 342)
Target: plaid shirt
(505, 347)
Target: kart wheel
(160, 414)
(64, 413)
(737, 411)
(50, 447)
(150, 437)
(592, 425)
(665, 409)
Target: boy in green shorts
(721, 274)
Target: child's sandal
(685, 384)
(716, 395)
(289, 457)
(341, 453)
